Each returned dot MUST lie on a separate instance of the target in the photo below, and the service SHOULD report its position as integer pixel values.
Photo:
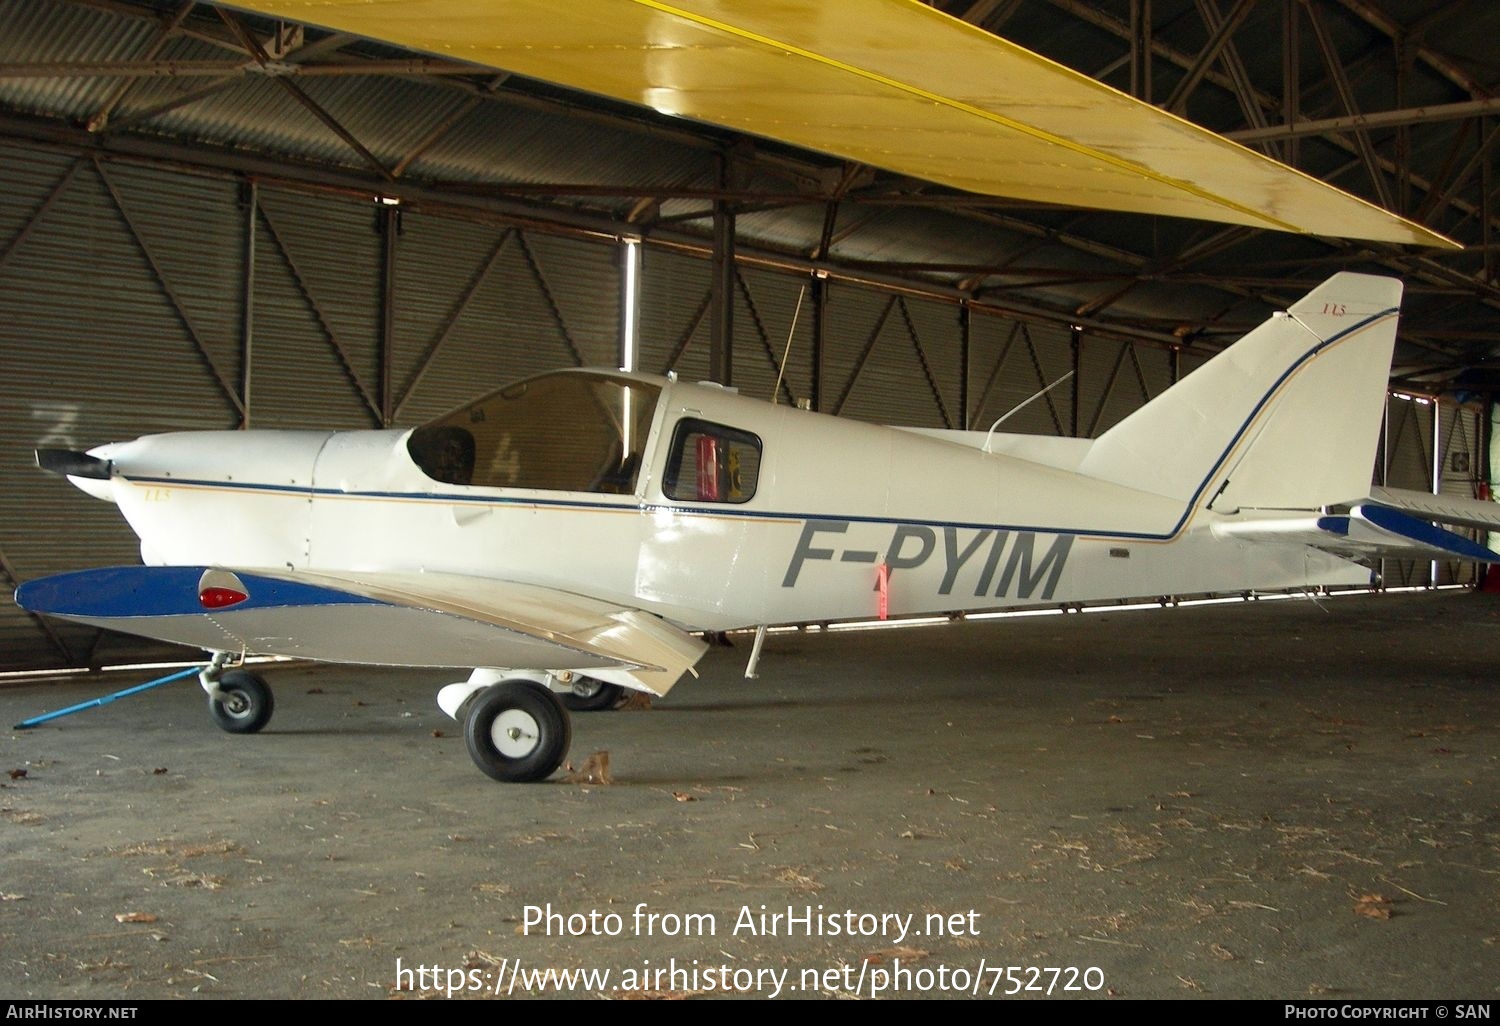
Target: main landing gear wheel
(590, 695)
(244, 703)
(517, 731)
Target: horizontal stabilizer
(1448, 509)
(414, 619)
(71, 463)
(1367, 531)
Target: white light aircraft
(569, 533)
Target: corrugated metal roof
(36, 31)
(531, 133)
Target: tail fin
(1288, 417)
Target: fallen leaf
(160, 771)
(638, 701)
(438, 733)
(194, 851)
(799, 880)
(595, 770)
(134, 917)
(683, 796)
(481, 960)
(1223, 953)
(1373, 906)
(18, 774)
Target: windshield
(559, 432)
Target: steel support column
(1437, 471)
(1486, 204)
(820, 301)
(1291, 75)
(1140, 49)
(1076, 344)
(251, 201)
(965, 327)
(390, 231)
(721, 297)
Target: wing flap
(375, 619)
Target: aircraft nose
(90, 471)
(108, 451)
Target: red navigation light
(220, 598)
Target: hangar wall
(1431, 446)
(138, 298)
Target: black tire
(590, 695)
(517, 731)
(246, 705)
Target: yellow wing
(890, 83)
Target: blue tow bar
(36, 721)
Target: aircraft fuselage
(831, 502)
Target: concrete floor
(1273, 800)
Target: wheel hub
(515, 733)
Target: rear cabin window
(711, 463)
(558, 432)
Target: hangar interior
(213, 218)
(216, 218)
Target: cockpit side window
(712, 463)
(557, 432)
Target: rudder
(1286, 418)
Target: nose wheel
(243, 702)
(517, 731)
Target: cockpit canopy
(564, 431)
